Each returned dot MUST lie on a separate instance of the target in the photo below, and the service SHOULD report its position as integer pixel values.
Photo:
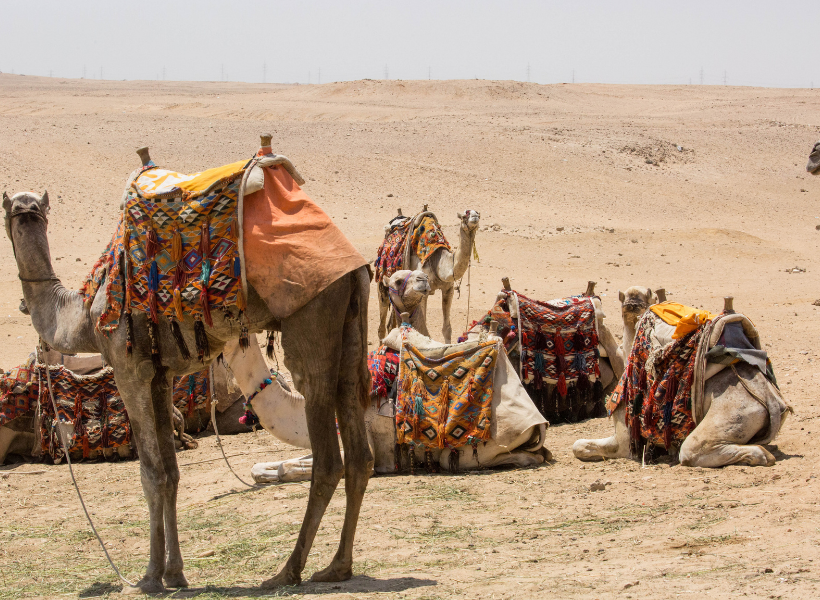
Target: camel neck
(58, 315)
(463, 252)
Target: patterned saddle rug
(445, 402)
(558, 352)
(425, 239)
(383, 364)
(176, 252)
(103, 423)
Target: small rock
(559, 229)
(78, 260)
(389, 195)
(768, 570)
(816, 302)
(597, 486)
(634, 241)
(629, 585)
(680, 148)
(205, 554)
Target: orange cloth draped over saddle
(684, 318)
(292, 249)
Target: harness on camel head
(397, 294)
(37, 213)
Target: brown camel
(324, 339)
(813, 165)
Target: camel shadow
(779, 454)
(361, 584)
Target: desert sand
(700, 190)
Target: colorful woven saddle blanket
(425, 238)
(445, 402)
(91, 403)
(192, 392)
(559, 340)
(656, 386)
(19, 391)
(383, 364)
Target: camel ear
(6, 202)
(621, 296)
(649, 291)
(44, 200)
(461, 215)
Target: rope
(42, 355)
(748, 389)
(216, 430)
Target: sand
(700, 190)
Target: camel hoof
(332, 574)
(175, 581)
(143, 586)
(282, 579)
(586, 451)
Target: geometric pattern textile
(92, 403)
(182, 255)
(445, 402)
(659, 408)
(426, 238)
(18, 391)
(192, 392)
(560, 350)
(383, 364)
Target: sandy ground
(573, 182)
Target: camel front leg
(615, 446)
(446, 306)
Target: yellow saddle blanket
(155, 183)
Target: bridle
(398, 294)
(17, 212)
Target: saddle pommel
(661, 294)
(405, 318)
(144, 156)
(493, 327)
(400, 215)
(264, 140)
(728, 304)
(505, 281)
(590, 288)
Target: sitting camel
(734, 406)
(634, 303)
(813, 166)
(520, 429)
(443, 266)
(318, 300)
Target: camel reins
(391, 291)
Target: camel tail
(358, 310)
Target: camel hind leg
(384, 309)
(733, 418)
(313, 341)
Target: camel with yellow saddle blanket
(696, 384)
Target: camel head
(26, 205)
(407, 289)
(634, 303)
(814, 160)
(469, 219)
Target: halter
(399, 293)
(634, 304)
(16, 212)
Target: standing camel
(813, 165)
(444, 267)
(324, 336)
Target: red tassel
(152, 305)
(559, 344)
(190, 405)
(562, 385)
(151, 244)
(206, 307)
(205, 240)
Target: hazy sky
(754, 42)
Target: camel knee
(699, 453)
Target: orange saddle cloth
(292, 249)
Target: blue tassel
(153, 277)
(419, 408)
(580, 363)
(206, 271)
(539, 361)
(191, 385)
(237, 267)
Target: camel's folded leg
(733, 418)
(284, 471)
(615, 446)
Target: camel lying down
(737, 411)
(518, 430)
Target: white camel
(443, 267)
(518, 430)
(736, 409)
